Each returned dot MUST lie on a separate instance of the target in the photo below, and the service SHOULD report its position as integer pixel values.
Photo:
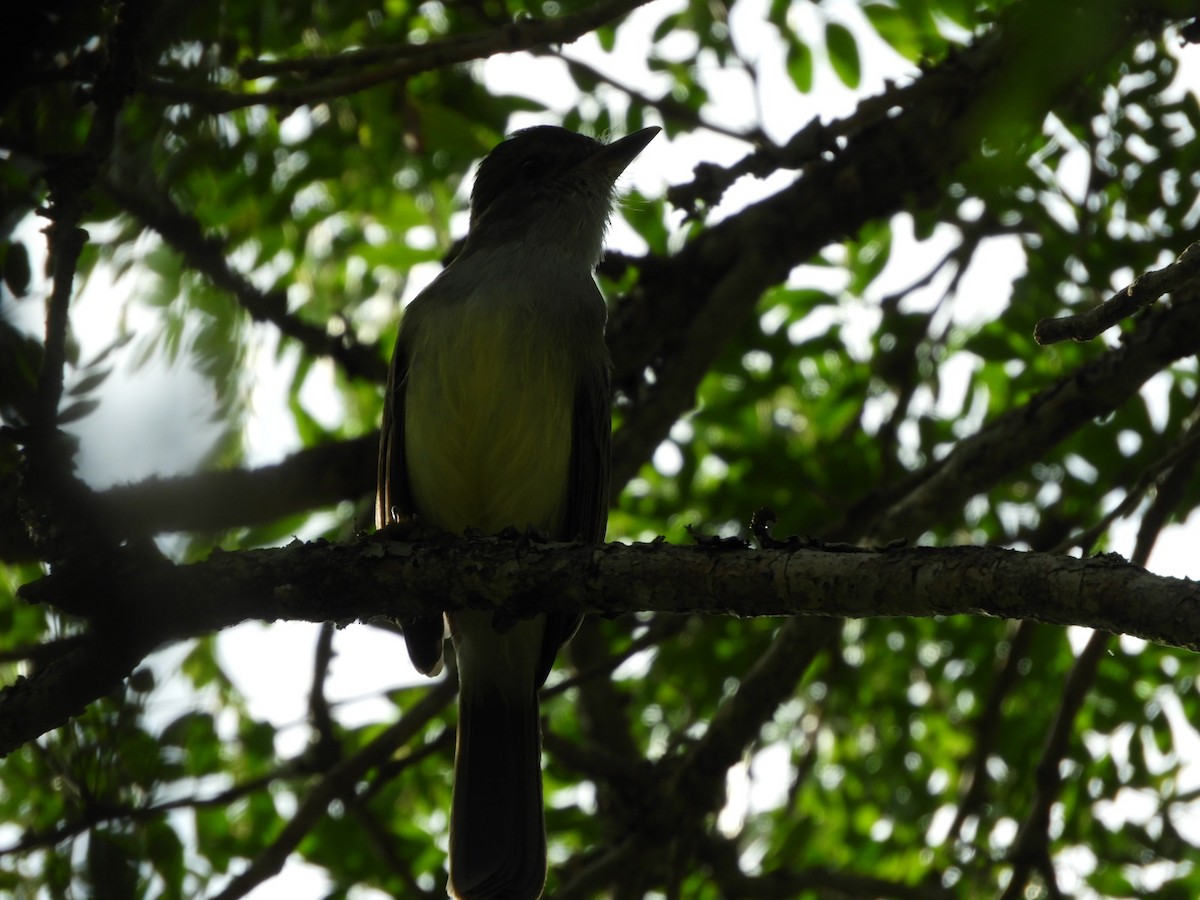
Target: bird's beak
(612, 159)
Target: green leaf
(897, 29)
(800, 65)
(843, 54)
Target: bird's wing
(393, 502)
(588, 479)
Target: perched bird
(498, 415)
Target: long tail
(497, 833)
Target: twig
(1145, 290)
(383, 842)
(324, 748)
(667, 106)
(701, 774)
(70, 178)
(33, 840)
(1170, 492)
(816, 881)
(1165, 472)
(660, 629)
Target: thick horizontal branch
(376, 577)
(373, 577)
(309, 479)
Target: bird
(497, 415)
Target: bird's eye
(532, 166)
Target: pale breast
(488, 418)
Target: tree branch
(161, 603)
(210, 501)
(1030, 849)
(209, 256)
(54, 503)
(677, 319)
(1025, 434)
(700, 776)
(403, 60)
(1183, 274)
(338, 782)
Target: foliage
(271, 187)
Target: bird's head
(551, 186)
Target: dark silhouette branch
(70, 179)
(1030, 850)
(1183, 274)
(1023, 435)
(700, 776)
(309, 479)
(669, 108)
(54, 504)
(339, 782)
(382, 65)
(208, 255)
(156, 604)
(34, 840)
(680, 315)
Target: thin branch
(70, 179)
(1025, 434)
(700, 776)
(608, 753)
(669, 108)
(1031, 847)
(988, 725)
(1183, 274)
(324, 746)
(1168, 475)
(33, 840)
(1170, 493)
(339, 782)
(208, 255)
(661, 629)
(383, 843)
(402, 61)
(785, 885)
(1031, 850)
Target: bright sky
(156, 425)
